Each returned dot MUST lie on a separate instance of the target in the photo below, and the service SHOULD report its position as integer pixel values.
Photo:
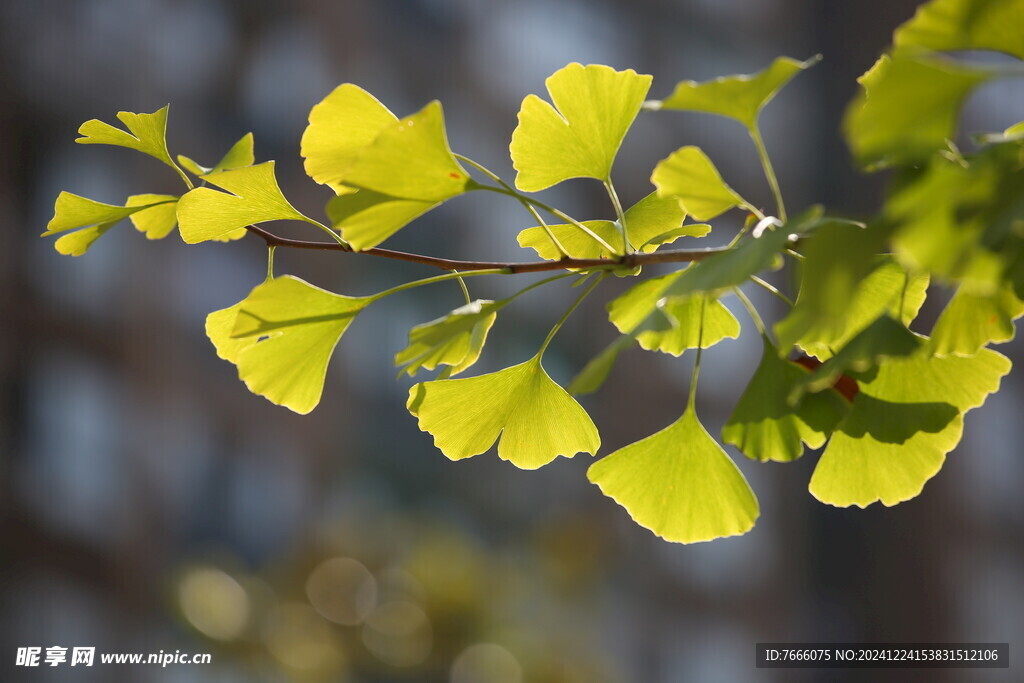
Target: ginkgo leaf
(255, 197)
(631, 308)
(733, 267)
(738, 97)
(367, 218)
(455, 339)
(884, 338)
(242, 153)
(766, 426)
(690, 177)
(90, 219)
(147, 133)
(536, 419)
(687, 329)
(908, 109)
(282, 337)
(158, 221)
(580, 135)
(844, 287)
(596, 371)
(966, 25)
(679, 483)
(410, 159)
(900, 427)
(341, 125)
(576, 243)
(688, 230)
(970, 321)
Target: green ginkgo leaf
(679, 483)
(844, 287)
(157, 221)
(738, 97)
(536, 419)
(630, 309)
(733, 267)
(690, 177)
(255, 197)
(242, 153)
(366, 218)
(454, 340)
(580, 135)
(410, 159)
(884, 338)
(766, 426)
(147, 133)
(576, 243)
(687, 330)
(970, 321)
(908, 109)
(596, 371)
(282, 337)
(900, 427)
(88, 218)
(341, 125)
(966, 25)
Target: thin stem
(692, 400)
(619, 214)
(554, 212)
(747, 224)
(270, 262)
(507, 267)
(529, 207)
(769, 172)
(796, 254)
(462, 285)
(771, 288)
(754, 315)
(565, 316)
(432, 280)
(330, 231)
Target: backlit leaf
(595, 372)
(455, 339)
(147, 133)
(367, 218)
(157, 221)
(241, 154)
(902, 424)
(690, 177)
(908, 109)
(966, 25)
(971, 321)
(679, 483)
(738, 97)
(577, 243)
(255, 197)
(766, 426)
(685, 332)
(90, 219)
(732, 268)
(533, 419)
(579, 136)
(341, 125)
(282, 337)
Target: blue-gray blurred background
(151, 503)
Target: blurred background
(150, 502)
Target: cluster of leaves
(842, 370)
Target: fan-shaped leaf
(679, 483)
(966, 25)
(689, 176)
(908, 109)
(738, 97)
(206, 214)
(766, 426)
(282, 337)
(455, 339)
(901, 425)
(732, 268)
(595, 372)
(155, 222)
(536, 420)
(90, 219)
(971, 321)
(242, 153)
(367, 218)
(579, 136)
(577, 243)
(147, 134)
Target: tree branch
(629, 260)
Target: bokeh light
(399, 633)
(486, 663)
(342, 590)
(214, 603)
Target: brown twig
(629, 260)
